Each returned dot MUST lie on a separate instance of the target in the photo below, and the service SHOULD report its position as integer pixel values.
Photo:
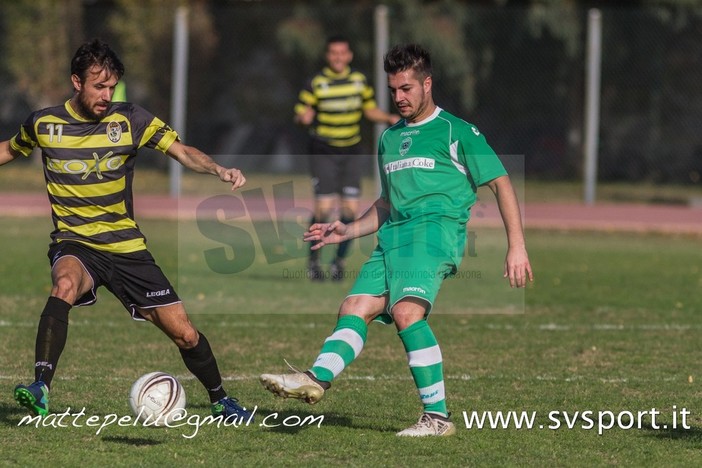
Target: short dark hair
(95, 52)
(335, 39)
(405, 56)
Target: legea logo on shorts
(416, 289)
(409, 163)
(163, 292)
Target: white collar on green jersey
(428, 119)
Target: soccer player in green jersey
(331, 106)
(431, 164)
(89, 148)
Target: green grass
(611, 324)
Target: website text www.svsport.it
(595, 420)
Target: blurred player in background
(88, 147)
(332, 106)
(120, 94)
(431, 165)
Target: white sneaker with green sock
(339, 350)
(426, 366)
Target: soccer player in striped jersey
(88, 149)
(332, 105)
(431, 164)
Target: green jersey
(429, 173)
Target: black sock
(51, 339)
(343, 249)
(322, 383)
(440, 417)
(202, 363)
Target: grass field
(610, 326)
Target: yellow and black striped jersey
(339, 100)
(89, 168)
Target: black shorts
(134, 278)
(336, 170)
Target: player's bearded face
(411, 95)
(93, 96)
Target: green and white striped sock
(341, 348)
(426, 365)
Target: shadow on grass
(293, 422)
(663, 431)
(134, 441)
(267, 419)
(12, 414)
(693, 434)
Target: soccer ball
(157, 398)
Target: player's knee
(347, 216)
(65, 288)
(323, 216)
(188, 339)
(349, 305)
(405, 314)
(359, 306)
(404, 320)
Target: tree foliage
(144, 32)
(40, 38)
(514, 67)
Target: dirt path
(603, 217)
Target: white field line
(550, 327)
(398, 378)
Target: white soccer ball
(157, 399)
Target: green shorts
(414, 270)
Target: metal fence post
(179, 91)
(592, 103)
(382, 41)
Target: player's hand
(307, 117)
(234, 176)
(321, 234)
(518, 268)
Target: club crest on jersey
(114, 131)
(405, 146)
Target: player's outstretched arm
(517, 266)
(197, 161)
(6, 153)
(336, 232)
(378, 115)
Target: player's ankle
(322, 383)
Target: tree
(41, 36)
